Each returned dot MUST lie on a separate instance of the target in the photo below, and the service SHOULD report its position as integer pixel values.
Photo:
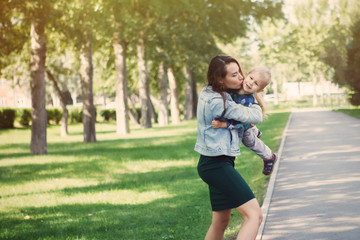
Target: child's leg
(252, 142)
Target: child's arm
(229, 124)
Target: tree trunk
(153, 112)
(65, 115)
(86, 75)
(190, 100)
(195, 97)
(174, 102)
(275, 87)
(163, 93)
(144, 89)
(37, 74)
(133, 114)
(315, 96)
(74, 95)
(122, 107)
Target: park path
(314, 192)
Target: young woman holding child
(219, 147)
(254, 83)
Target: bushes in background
(22, 116)
(108, 114)
(7, 118)
(53, 115)
(75, 115)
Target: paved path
(314, 192)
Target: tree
(17, 17)
(37, 73)
(352, 71)
(190, 94)
(174, 98)
(14, 33)
(86, 76)
(63, 103)
(80, 26)
(144, 89)
(163, 93)
(119, 17)
(340, 47)
(122, 108)
(323, 32)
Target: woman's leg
(220, 220)
(252, 215)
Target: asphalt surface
(314, 191)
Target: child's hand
(216, 123)
(252, 125)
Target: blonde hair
(266, 74)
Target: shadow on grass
(168, 218)
(94, 160)
(141, 182)
(173, 217)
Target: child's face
(253, 82)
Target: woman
(218, 148)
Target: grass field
(351, 112)
(140, 186)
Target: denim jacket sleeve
(236, 111)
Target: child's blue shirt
(245, 100)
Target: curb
(270, 189)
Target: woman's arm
(237, 112)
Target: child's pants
(252, 142)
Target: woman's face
(233, 78)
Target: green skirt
(226, 186)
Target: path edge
(270, 189)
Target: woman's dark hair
(216, 71)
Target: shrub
(53, 115)
(49, 115)
(24, 117)
(57, 115)
(7, 118)
(108, 114)
(75, 115)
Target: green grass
(351, 112)
(140, 186)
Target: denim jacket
(221, 141)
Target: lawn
(140, 186)
(351, 112)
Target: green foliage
(108, 114)
(53, 115)
(13, 34)
(353, 71)
(24, 116)
(7, 118)
(75, 115)
(351, 112)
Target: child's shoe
(269, 164)
(259, 134)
